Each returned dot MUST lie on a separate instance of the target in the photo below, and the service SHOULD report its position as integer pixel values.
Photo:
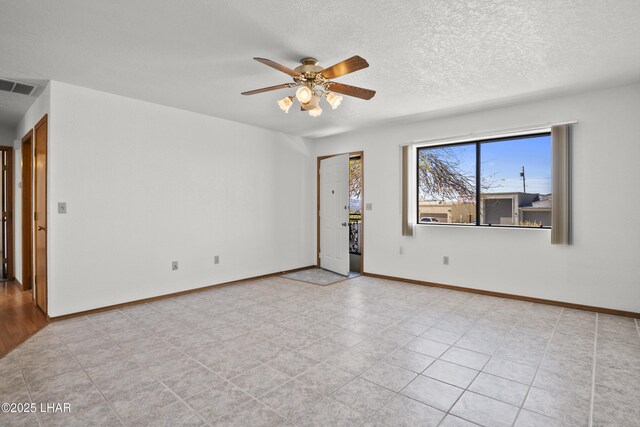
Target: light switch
(62, 207)
(368, 206)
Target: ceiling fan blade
(278, 67)
(267, 89)
(347, 66)
(358, 92)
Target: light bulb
(334, 100)
(285, 103)
(304, 94)
(315, 112)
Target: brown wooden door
(27, 211)
(3, 231)
(40, 214)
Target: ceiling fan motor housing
(309, 65)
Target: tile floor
(361, 352)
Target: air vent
(17, 87)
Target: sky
(502, 161)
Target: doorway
(349, 213)
(355, 213)
(6, 214)
(21, 314)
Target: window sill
(491, 227)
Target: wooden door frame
(320, 158)
(27, 210)
(43, 121)
(9, 210)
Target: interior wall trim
(173, 294)
(602, 310)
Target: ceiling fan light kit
(286, 103)
(314, 82)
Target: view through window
(497, 182)
(355, 205)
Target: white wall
(147, 184)
(601, 268)
(38, 109)
(7, 136)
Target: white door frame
(351, 154)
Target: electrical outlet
(368, 206)
(216, 259)
(401, 250)
(174, 265)
(445, 260)
(62, 207)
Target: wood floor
(19, 317)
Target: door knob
(41, 228)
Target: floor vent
(17, 87)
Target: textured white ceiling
(424, 56)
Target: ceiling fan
(315, 82)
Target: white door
(334, 214)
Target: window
(503, 182)
(447, 184)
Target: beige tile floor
(360, 352)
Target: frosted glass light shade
(304, 94)
(315, 112)
(313, 103)
(334, 100)
(285, 103)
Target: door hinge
(4, 167)
(35, 216)
(35, 279)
